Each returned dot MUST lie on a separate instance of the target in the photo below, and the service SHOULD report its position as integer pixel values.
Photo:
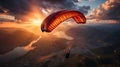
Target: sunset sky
(24, 10)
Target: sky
(92, 9)
(92, 3)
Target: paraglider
(53, 20)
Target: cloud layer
(110, 10)
(63, 4)
(19, 8)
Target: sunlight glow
(35, 16)
(36, 20)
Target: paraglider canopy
(53, 20)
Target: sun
(35, 16)
(36, 20)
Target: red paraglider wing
(53, 20)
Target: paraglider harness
(67, 55)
